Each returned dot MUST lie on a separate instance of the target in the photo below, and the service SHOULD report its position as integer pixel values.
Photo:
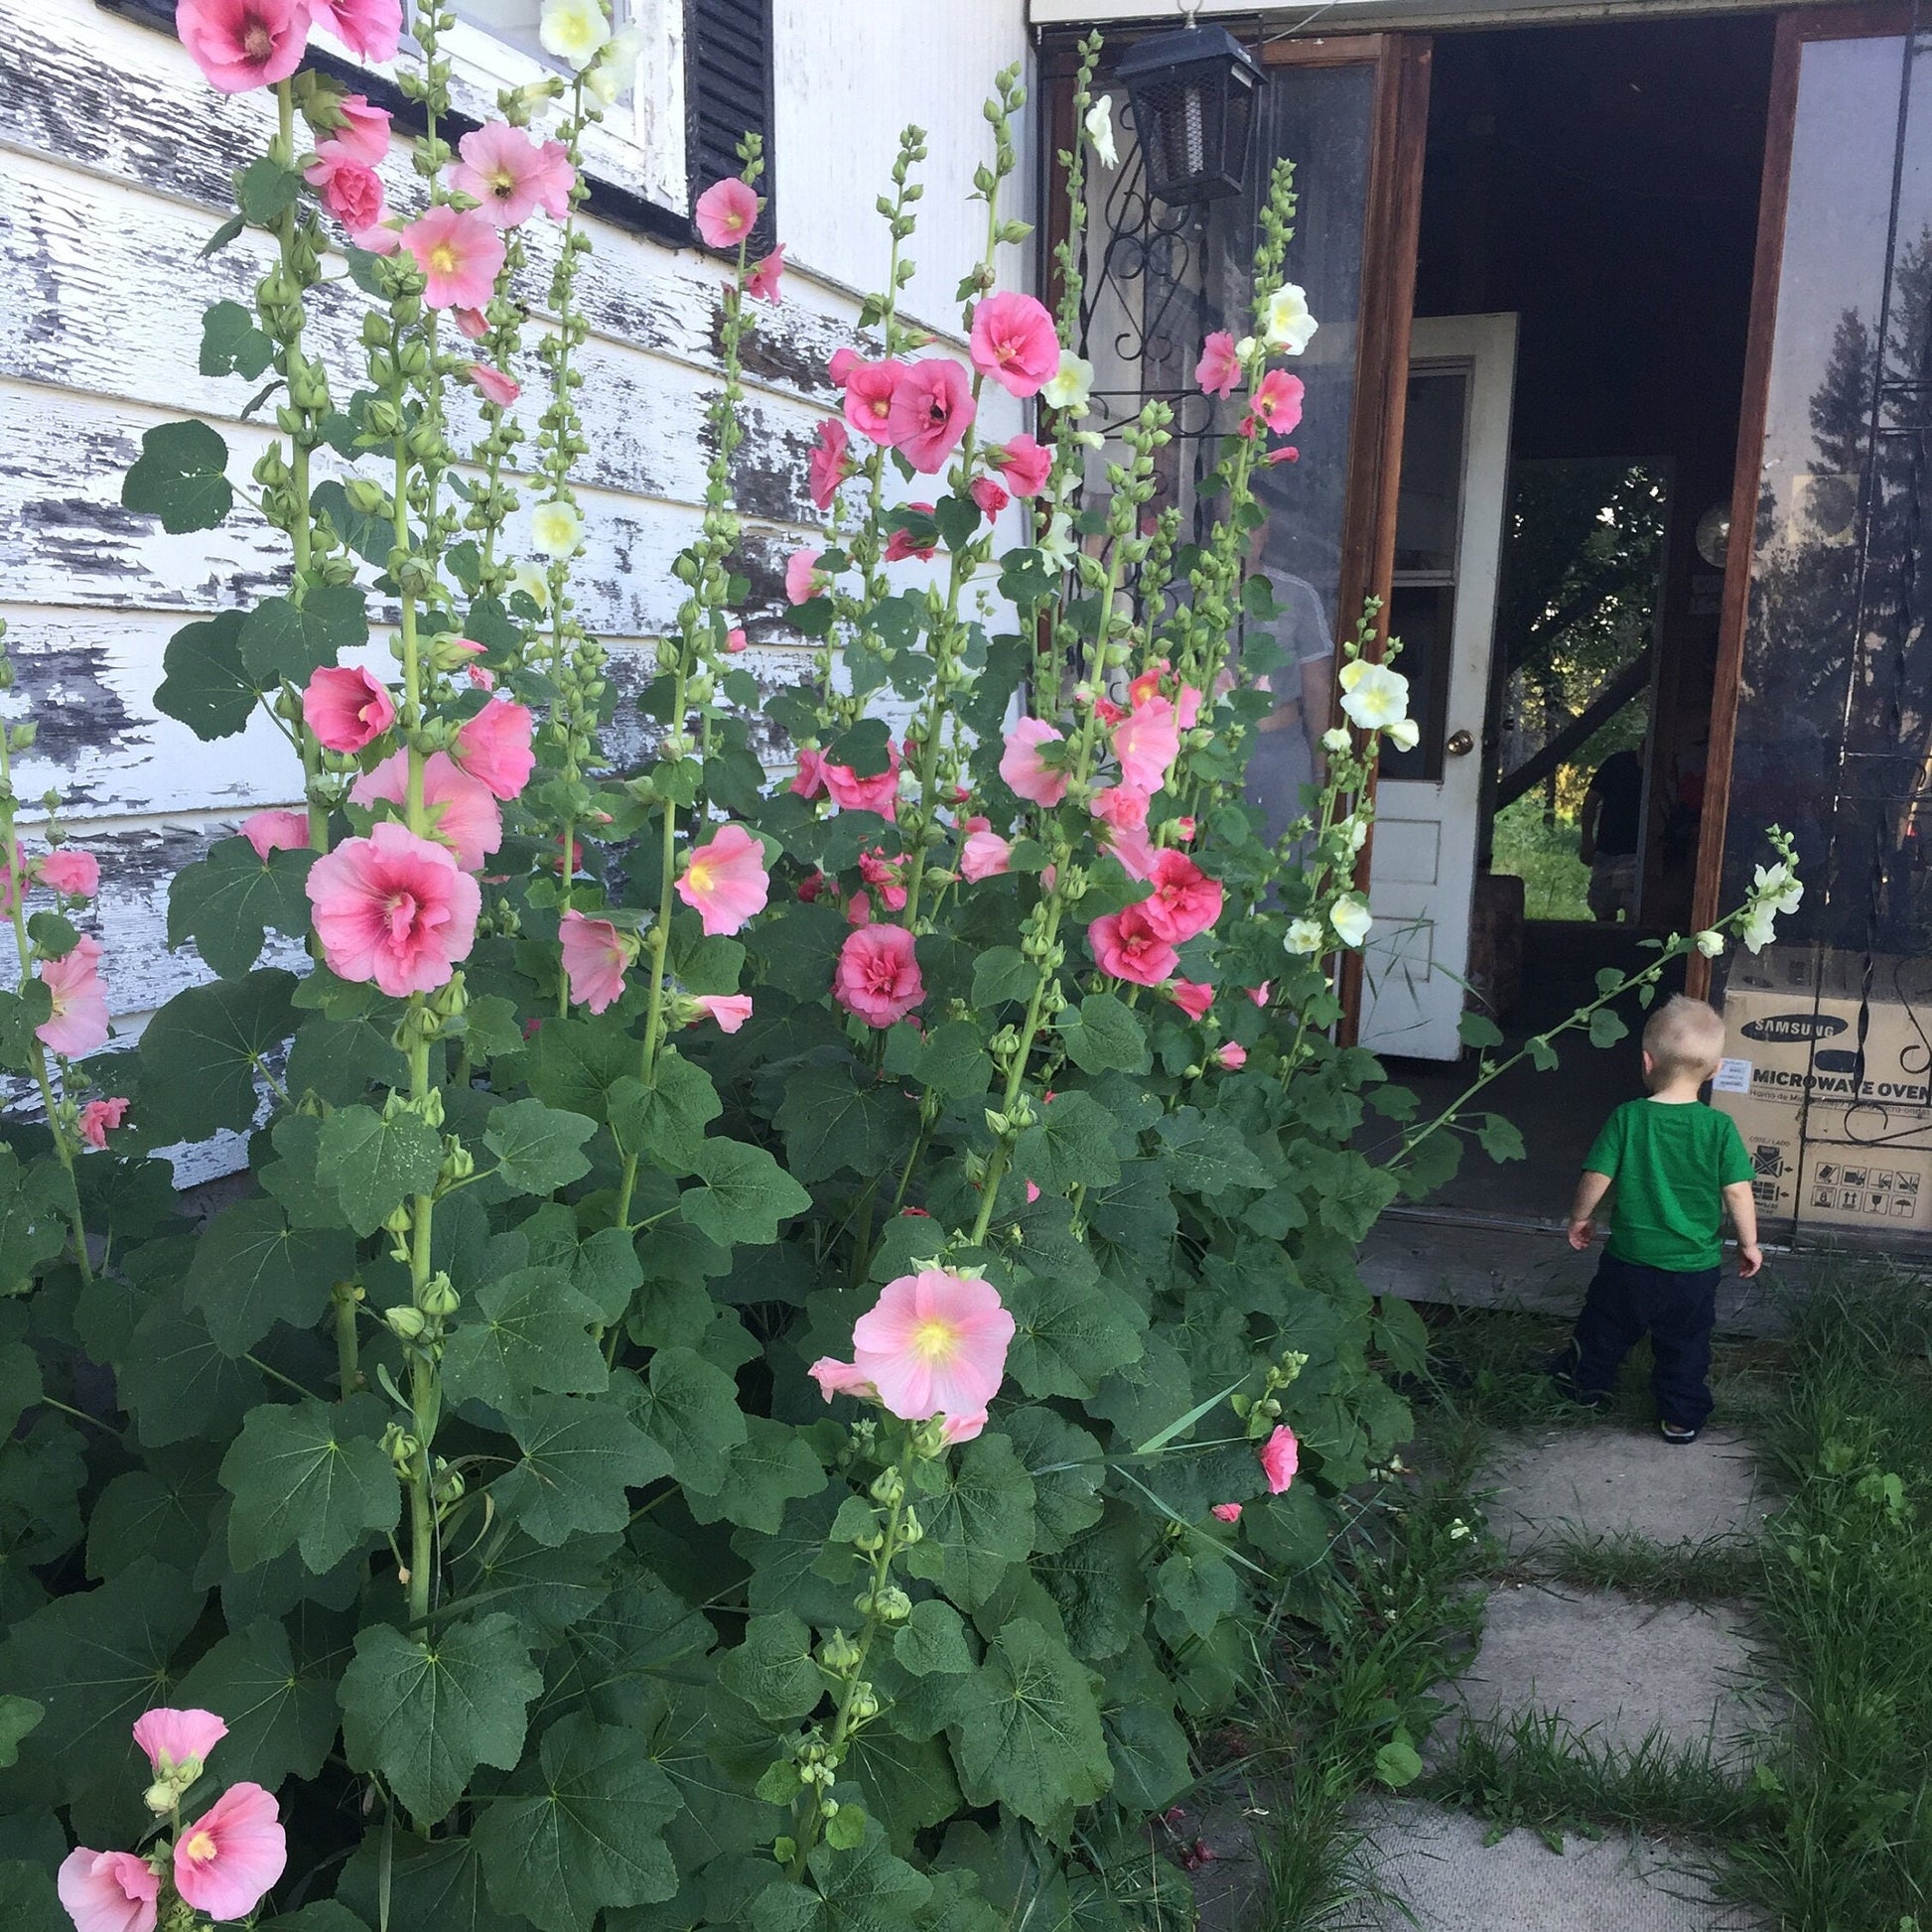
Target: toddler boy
(1677, 1165)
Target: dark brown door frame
(1795, 29)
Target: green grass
(1544, 856)
(1721, 1570)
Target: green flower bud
(405, 1322)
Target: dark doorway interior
(1602, 184)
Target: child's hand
(1750, 1258)
(1583, 1233)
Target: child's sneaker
(1561, 1369)
(1675, 1433)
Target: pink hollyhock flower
(1024, 464)
(735, 640)
(727, 212)
(1126, 946)
(878, 870)
(394, 908)
(172, 1738)
(724, 882)
(1287, 453)
(842, 362)
(1131, 844)
(1148, 684)
(1015, 343)
(351, 190)
(502, 170)
(481, 676)
(730, 1010)
(1192, 997)
(275, 831)
(462, 813)
(1032, 1192)
(932, 407)
(878, 975)
(595, 955)
(899, 545)
(78, 1021)
(934, 1345)
(365, 132)
(371, 29)
(801, 576)
(1184, 901)
(1227, 1512)
(877, 793)
(962, 1428)
(98, 1119)
(1259, 994)
(108, 1891)
(840, 1378)
(1028, 775)
(814, 884)
(244, 43)
(494, 747)
(473, 323)
(985, 854)
(1278, 400)
(226, 1863)
(1146, 741)
(1186, 825)
(1232, 1056)
(1107, 711)
(869, 391)
(763, 281)
(69, 871)
(1219, 369)
(1187, 703)
(461, 255)
(493, 384)
(809, 779)
(858, 909)
(1281, 1457)
(1122, 806)
(989, 495)
(831, 461)
(347, 708)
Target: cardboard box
(1784, 1048)
(1831, 1183)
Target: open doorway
(1599, 184)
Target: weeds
(1719, 1569)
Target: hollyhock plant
(1232, 1056)
(1131, 846)
(884, 877)
(511, 175)
(878, 975)
(1024, 463)
(364, 133)
(1226, 1512)
(728, 1010)
(727, 212)
(988, 494)
(69, 871)
(1281, 1457)
(558, 532)
(99, 1118)
(841, 1378)
(984, 854)
(462, 813)
(831, 461)
(227, 1861)
(1014, 343)
(725, 880)
(1278, 400)
(577, 31)
(901, 544)
(241, 45)
(460, 253)
(595, 957)
(1219, 367)
(1289, 326)
(108, 1891)
(1125, 945)
(275, 831)
(1373, 697)
(1185, 900)
(394, 909)
(877, 793)
(370, 29)
(1192, 997)
(78, 1021)
(347, 708)
(1122, 806)
(351, 190)
(808, 781)
(931, 409)
(494, 747)
(177, 1740)
(1022, 766)
(934, 1343)
(1146, 741)
(493, 386)
(763, 281)
(869, 391)
(802, 575)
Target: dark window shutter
(728, 91)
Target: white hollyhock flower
(1357, 830)
(1303, 936)
(1711, 944)
(1404, 732)
(1350, 918)
(1100, 131)
(1057, 546)
(574, 30)
(533, 584)
(1778, 887)
(1288, 325)
(1070, 385)
(1335, 740)
(556, 529)
(617, 67)
(1373, 696)
(1760, 927)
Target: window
(728, 69)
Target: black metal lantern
(1193, 94)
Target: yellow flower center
(698, 876)
(442, 258)
(201, 1847)
(934, 1341)
(502, 181)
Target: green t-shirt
(1671, 1161)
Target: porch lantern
(1194, 96)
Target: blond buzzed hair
(1683, 1037)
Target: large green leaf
(228, 901)
(1067, 1469)
(867, 1890)
(252, 1270)
(580, 1830)
(178, 1384)
(426, 1710)
(204, 684)
(538, 1149)
(177, 476)
(770, 1467)
(665, 1121)
(580, 1455)
(283, 641)
(17, 1716)
(232, 344)
(1032, 1741)
(200, 1052)
(281, 1712)
(689, 1406)
(528, 1330)
(33, 1219)
(437, 1886)
(578, 1063)
(1105, 1033)
(27, 1900)
(310, 1473)
(1070, 1145)
(774, 1670)
(742, 1195)
(1068, 1335)
(377, 1164)
(980, 1521)
(837, 1117)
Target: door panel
(1447, 557)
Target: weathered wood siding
(117, 158)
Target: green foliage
(178, 477)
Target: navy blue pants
(1676, 1310)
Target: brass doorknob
(1460, 745)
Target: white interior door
(1447, 554)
